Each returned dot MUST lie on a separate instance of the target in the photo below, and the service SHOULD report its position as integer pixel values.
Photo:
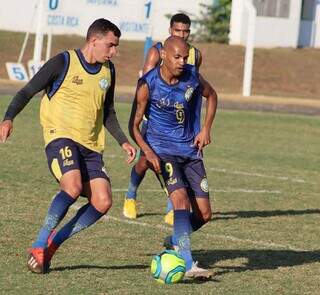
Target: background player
(171, 95)
(78, 101)
(179, 26)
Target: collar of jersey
(90, 68)
(165, 82)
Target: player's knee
(74, 189)
(141, 166)
(103, 203)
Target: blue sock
(181, 236)
(196, 222)
(58, 209)
(86, 216)
(135, 180)
(169, 206)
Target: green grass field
(264, 237)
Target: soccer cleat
(169, 218)
(197, 272)
(130, 208)
(36, 260)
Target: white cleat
(198, 272)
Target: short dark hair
(180, 18)
(102, 26)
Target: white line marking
(222, 237)
(285, 178)
(228, 190)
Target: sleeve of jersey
(110, 118)
(40, 81)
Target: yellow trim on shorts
(163, 184)
(56, 169)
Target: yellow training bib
(76, 109)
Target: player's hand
(202, 139)
(154, 160)
(6, 128)
(130, 150)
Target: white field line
(284, 178)
(166, 228)
(228, 190)
(221, 170)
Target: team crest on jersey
(188, 93)
(204, 185)
(104, 83)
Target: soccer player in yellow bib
(78, 101)
(179, 26)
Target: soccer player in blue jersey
(179, 26)
(78, 102)
(170, 96)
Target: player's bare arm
(152, 60)
(204, 138)
(138, 110)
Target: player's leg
(138, 172)
(201, 212)
(169, 218)
(97, 189)
(194, 173)
(100, 202)
(59, 152)
(181, 225)
(199, 194)
(173, 178)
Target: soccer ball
(168, 267)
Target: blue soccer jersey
(174, 113)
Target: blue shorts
(180, 172)
(64, 155)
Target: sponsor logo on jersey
(67, 162)
(104, 83)
(178, 106)
(77, 80)
(172, 181)
(188, 93)
(163, 102)
(204, 185)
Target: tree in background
(213, 24)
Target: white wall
(317, 21)
(74, 16)
(272, 31)
(276, 32)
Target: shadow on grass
(150, 214)
(251, 214)
(255, 259)
(88, 266)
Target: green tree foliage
(213, 24)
